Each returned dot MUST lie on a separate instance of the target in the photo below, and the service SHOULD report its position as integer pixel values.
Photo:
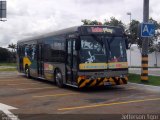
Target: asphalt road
(39, 99)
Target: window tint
(54, 49)
(92, 50)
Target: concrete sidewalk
(150, 88)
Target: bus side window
(74, 55)
(33, 54)
(26, 49)
(69, 53)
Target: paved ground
(151, 71)
(3, 67)
(37, 99)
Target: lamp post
(130, 14)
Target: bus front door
(40, 66)
(71, 62)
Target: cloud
(27, 18)
(97, 1)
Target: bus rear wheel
(59, 79)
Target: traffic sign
(147, 30)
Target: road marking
(12, 80)
(22, 83)
(55, 95)
(36, 88)
(108, 104)
(5, 109)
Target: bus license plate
(107, 83)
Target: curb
(148, 74)
(146, 87)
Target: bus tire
(59, 78)
(27, 72)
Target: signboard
(101, 30)
(2, 9)
(147, 30)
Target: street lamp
(130, 14)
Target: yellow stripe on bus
(26, 61)
(88, 66)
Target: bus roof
(54, 33)
(84, 30)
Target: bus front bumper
(101, 82)
(85, 81)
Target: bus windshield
(92, 50)
(116, 49)
(106, 49)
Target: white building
(134, 57)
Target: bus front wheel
(59, 79)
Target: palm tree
(13, 55)
(12, 46)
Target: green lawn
(8, 69)
(153, 80)
(7, 64)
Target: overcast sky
(27, 18)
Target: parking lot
(32, 96)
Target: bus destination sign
(100, 30)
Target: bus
(82, 56)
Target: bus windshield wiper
(109, 40)
(99, 40)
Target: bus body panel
(47, 53)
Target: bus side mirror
(78, 45)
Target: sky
(27, 18)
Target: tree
(12, 46)
(113, 22)
(13, 55)
(132, 31)
(153, 45)
(4, 55)
(135, 37)
(89, 22)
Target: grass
(7, 64)
(8, 69)
(153, 80)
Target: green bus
(82, 56)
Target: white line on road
(5, 109)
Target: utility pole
(145, 42)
